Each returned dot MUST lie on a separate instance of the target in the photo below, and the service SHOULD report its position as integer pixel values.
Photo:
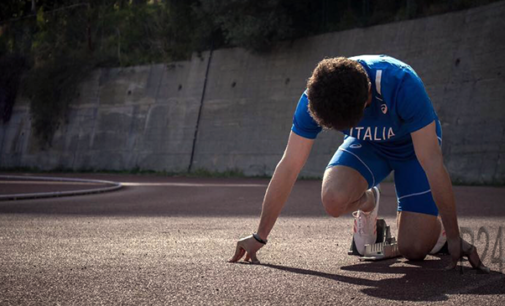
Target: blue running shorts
(412, 187)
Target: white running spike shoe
(442, 239)
(365, 225)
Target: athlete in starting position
(382, 107)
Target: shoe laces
(362, 222)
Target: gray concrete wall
(460, 56)
(138, 118)
(125, 118)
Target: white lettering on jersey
(390, 133)
(359, 128)
(375, 135)
(368, 133)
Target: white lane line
(26, 182)
(110, 186)
(191, 184)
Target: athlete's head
(338, 92)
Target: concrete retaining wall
(126, 118)
(146, 117)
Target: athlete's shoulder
(385, 63)
(303, 123)
(374, 59)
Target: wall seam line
(193, 149)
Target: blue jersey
(400, 106)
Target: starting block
(385, 246)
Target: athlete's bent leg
(417, 234)
(344, 190)
(418, 225)
(352, 171)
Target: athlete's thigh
(412, 188)
(418, 227)
(354, 168)
(346, 180)
(417, 233)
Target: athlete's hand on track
(459, 248)
(248, 246)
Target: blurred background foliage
(48, 46)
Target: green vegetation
(57, 43)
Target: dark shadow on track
(424, 281)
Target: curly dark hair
(337, 92)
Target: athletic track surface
(166, 241)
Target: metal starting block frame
(385, 246)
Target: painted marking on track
(27, 182)
(191, 185)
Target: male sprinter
(382, 107)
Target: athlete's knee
(412, 250)
(335, 203)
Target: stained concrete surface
(166, 241)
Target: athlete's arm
(429, 154)
(285, 174)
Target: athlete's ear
(369, 87)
